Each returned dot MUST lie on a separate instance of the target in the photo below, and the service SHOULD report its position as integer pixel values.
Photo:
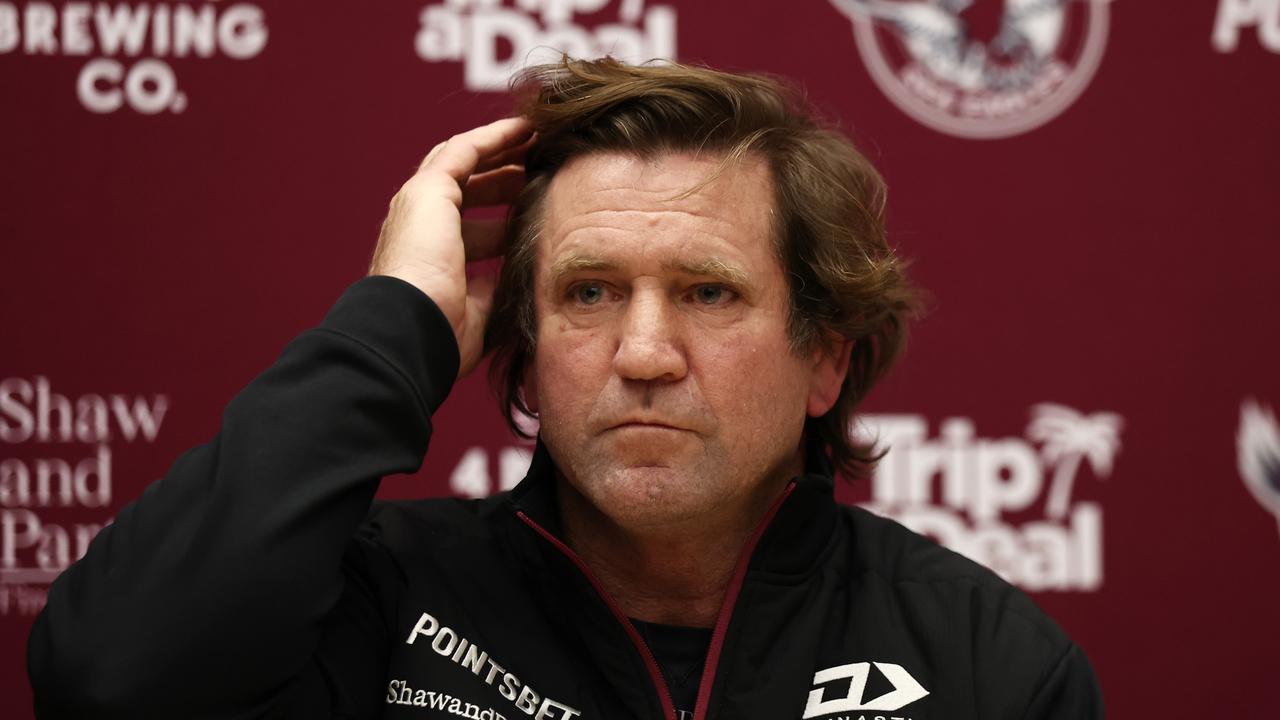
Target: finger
(479, 303)
(510, 156)
(435, 151)
(459, 156)
(484, 239)
(496, 187)
(499, 135)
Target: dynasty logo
(959, 68)
(824, 699)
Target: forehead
(626, 208)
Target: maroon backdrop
(1088, 188)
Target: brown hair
(829, 204)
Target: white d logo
(905, 689)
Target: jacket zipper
(717, 634)
(655, 674)
(726, 608)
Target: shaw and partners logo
(1258, 454)
(926, 57)
(494, 40)
(1053, 543)
(57, 477)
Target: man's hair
(828, 213)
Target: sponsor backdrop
(1087, 187)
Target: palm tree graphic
(1070, 436)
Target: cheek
(755, 384)
(569, 364)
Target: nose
(651, 346)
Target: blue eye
(709, 294)
(588, 294)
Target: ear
(529, 388)
(830, 365)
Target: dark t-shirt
(680, 652)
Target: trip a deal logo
(1011, 503)
(493, 39)
(980, 70)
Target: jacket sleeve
(1070, 692)
(1025, 667)
(238, 586)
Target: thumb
(471, 338)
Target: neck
(676, 574)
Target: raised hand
(424, 240)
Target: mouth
(646, 425)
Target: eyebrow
(722, 270)
(712, 267)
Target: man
(695, 295)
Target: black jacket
(259, 579)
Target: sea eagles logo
(1258, 454)
(930, 58)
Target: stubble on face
(664, 380)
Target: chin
(646, 495)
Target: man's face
(663, 375)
